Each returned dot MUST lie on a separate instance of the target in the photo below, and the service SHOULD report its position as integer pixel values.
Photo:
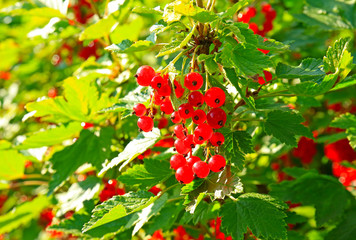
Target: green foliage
(13, 164)
(345, 230)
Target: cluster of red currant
(186, 165)
(111, 189)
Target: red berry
(157, 82)
(157, 99)
(163, 122)
(177, 161)
(186, 110)
(203, 132)
(196, 99)
(175, 117)
(178, 89)
(197, 141)
(217, 163)
(201, 169)
(261, 80)
(155, 190)
(275, 166)
(180, 146)
(199, 116)
(152, 111)
(87, 125)
(268, 75)
(215, 97)
(191, 160)
(193, 81)
(139, 109)
(266, 7)
(243, 18)
(251, 12)
(189, 141)
(271, 15)
(216, 118)
(267, 26)
(52, 93)
(166, 106)
(145, 123)
(185, 175)
(165, 90)
(180, 131)
(217, 139)
(144, 75)
(253, 27)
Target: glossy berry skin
(157, 82)
(189, 141)
(216, 118)
(175, 117)
(191, 160)
(181, 147)
(201, 169)
(177, 161)
(180, 131)
(139, 109)
(163, 122)
(199, 116)
(253, 27)
(251, 12)
(268, 75)
(186, 110)
(52, 93)
(145, 123)
(215, 97)
(166, 106)
(185, 175)
(197, 141)
(87, 125)
(165, 90)
(178, 89)
(203, 132)
(217, 163)
(158, 99)
(196, 99)
(261, 80)
(217, 139)
(144, 75)
(193, 81)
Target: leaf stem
(164, 70)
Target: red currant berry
(166, 106)
(199, 116)
(253, 27)
(196, 99)
(144, 75)
(177, 161)
(178, 89)
(153, 112)
(185, 175)
(193, 81)
(189, 141)
(186, 110)
(157, 82)
(250, 12)
(145, 123)
(217, 163)
(157, 99)
(87, 125)
(215, 97)
(165, 90)
(191, 160)
(203, 132)
(175, 117)
(52, 93)
(201, 169)
(216, 118)
(271, 15)
(139, 109)
(180, 146)
(266, 7)
(217, 139)
(180, 131)
(197, 141)
(261, 80)
(163, 122)
(268, 75)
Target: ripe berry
(203, 132)
(191, 160)
(193, 81)
(197, 141)
(151, 112)
(253, 27)
(266, 7)
(145, 123)
(196, 98)
(180, 146)
(52, 93)
(186, 110)
(144, 75)
(201, 169)
(157, 82)
(165, 90)
(163, 122)
(139, 109)
(185, 175)
(217, 163)
(175, 117)
(86, 125)
(199, 116)
(216, 118)
(178, 89)
(251, 12)
(177, 161)
(180, 131)
(215, 97)
(166, 106)
(261, 80)
(157, 99)
(268, 75)
(189, 141)
(217, 139)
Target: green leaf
(309, 67)
(325, 193)
(127, 46)
(344, 121)
(89, 148)
(345, 230)
(12, 164)
(297, 172)
(271, 44)
(146, 10)
(331, 138)
(285, 126)
(262, 214)
(351, 136)
(51, 136)
(236, 7)
(314, 87)
(147, 175)
(137, 146)
(210, 64)
(101, 28)
(204, 16)
(22, 214)
(236, 145)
